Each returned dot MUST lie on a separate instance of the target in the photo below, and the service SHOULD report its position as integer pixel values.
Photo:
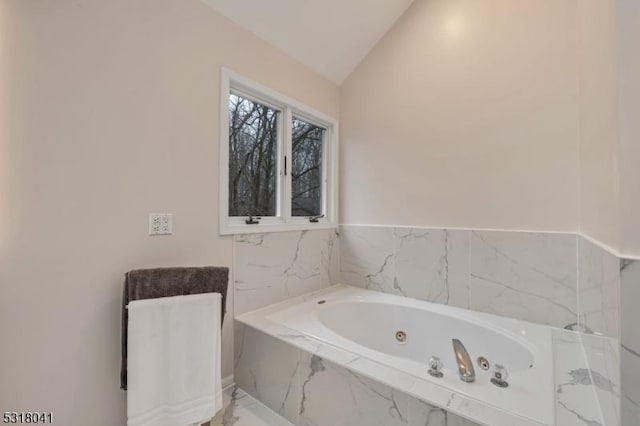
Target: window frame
(232, 82)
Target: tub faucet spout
(465, 365)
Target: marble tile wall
(598, 289)
(309, 390)
(529, 276)
(630, 350)
(420, 263)
(524, 275)
(548, 278)
(272, 267)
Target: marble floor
(240, 409)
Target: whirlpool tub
(402, 334)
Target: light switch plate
(160, 223)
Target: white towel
(174, 360)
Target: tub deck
(292, 321)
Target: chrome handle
(315, 219)
(435, 367)
(252, 220)
(500, 375)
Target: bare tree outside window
(306, 168)
(253, 136)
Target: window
(307, 142)
(253, 138)
(278, 161)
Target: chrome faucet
(465, 365)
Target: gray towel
(167, 282)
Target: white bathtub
(365, 323)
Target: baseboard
(227, 382)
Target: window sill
(264, 228)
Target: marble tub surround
(599, 316)
(334, 395)
(524, 275)
(630, 387)
(602, 356)
(241, 409)
(547, 278)
(272, 267)
(269, 371)
(576, 401)
(630, 350)
(313, 390)
(365, 322)
(598, 289)
(257, 349)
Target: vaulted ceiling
(329, 36)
